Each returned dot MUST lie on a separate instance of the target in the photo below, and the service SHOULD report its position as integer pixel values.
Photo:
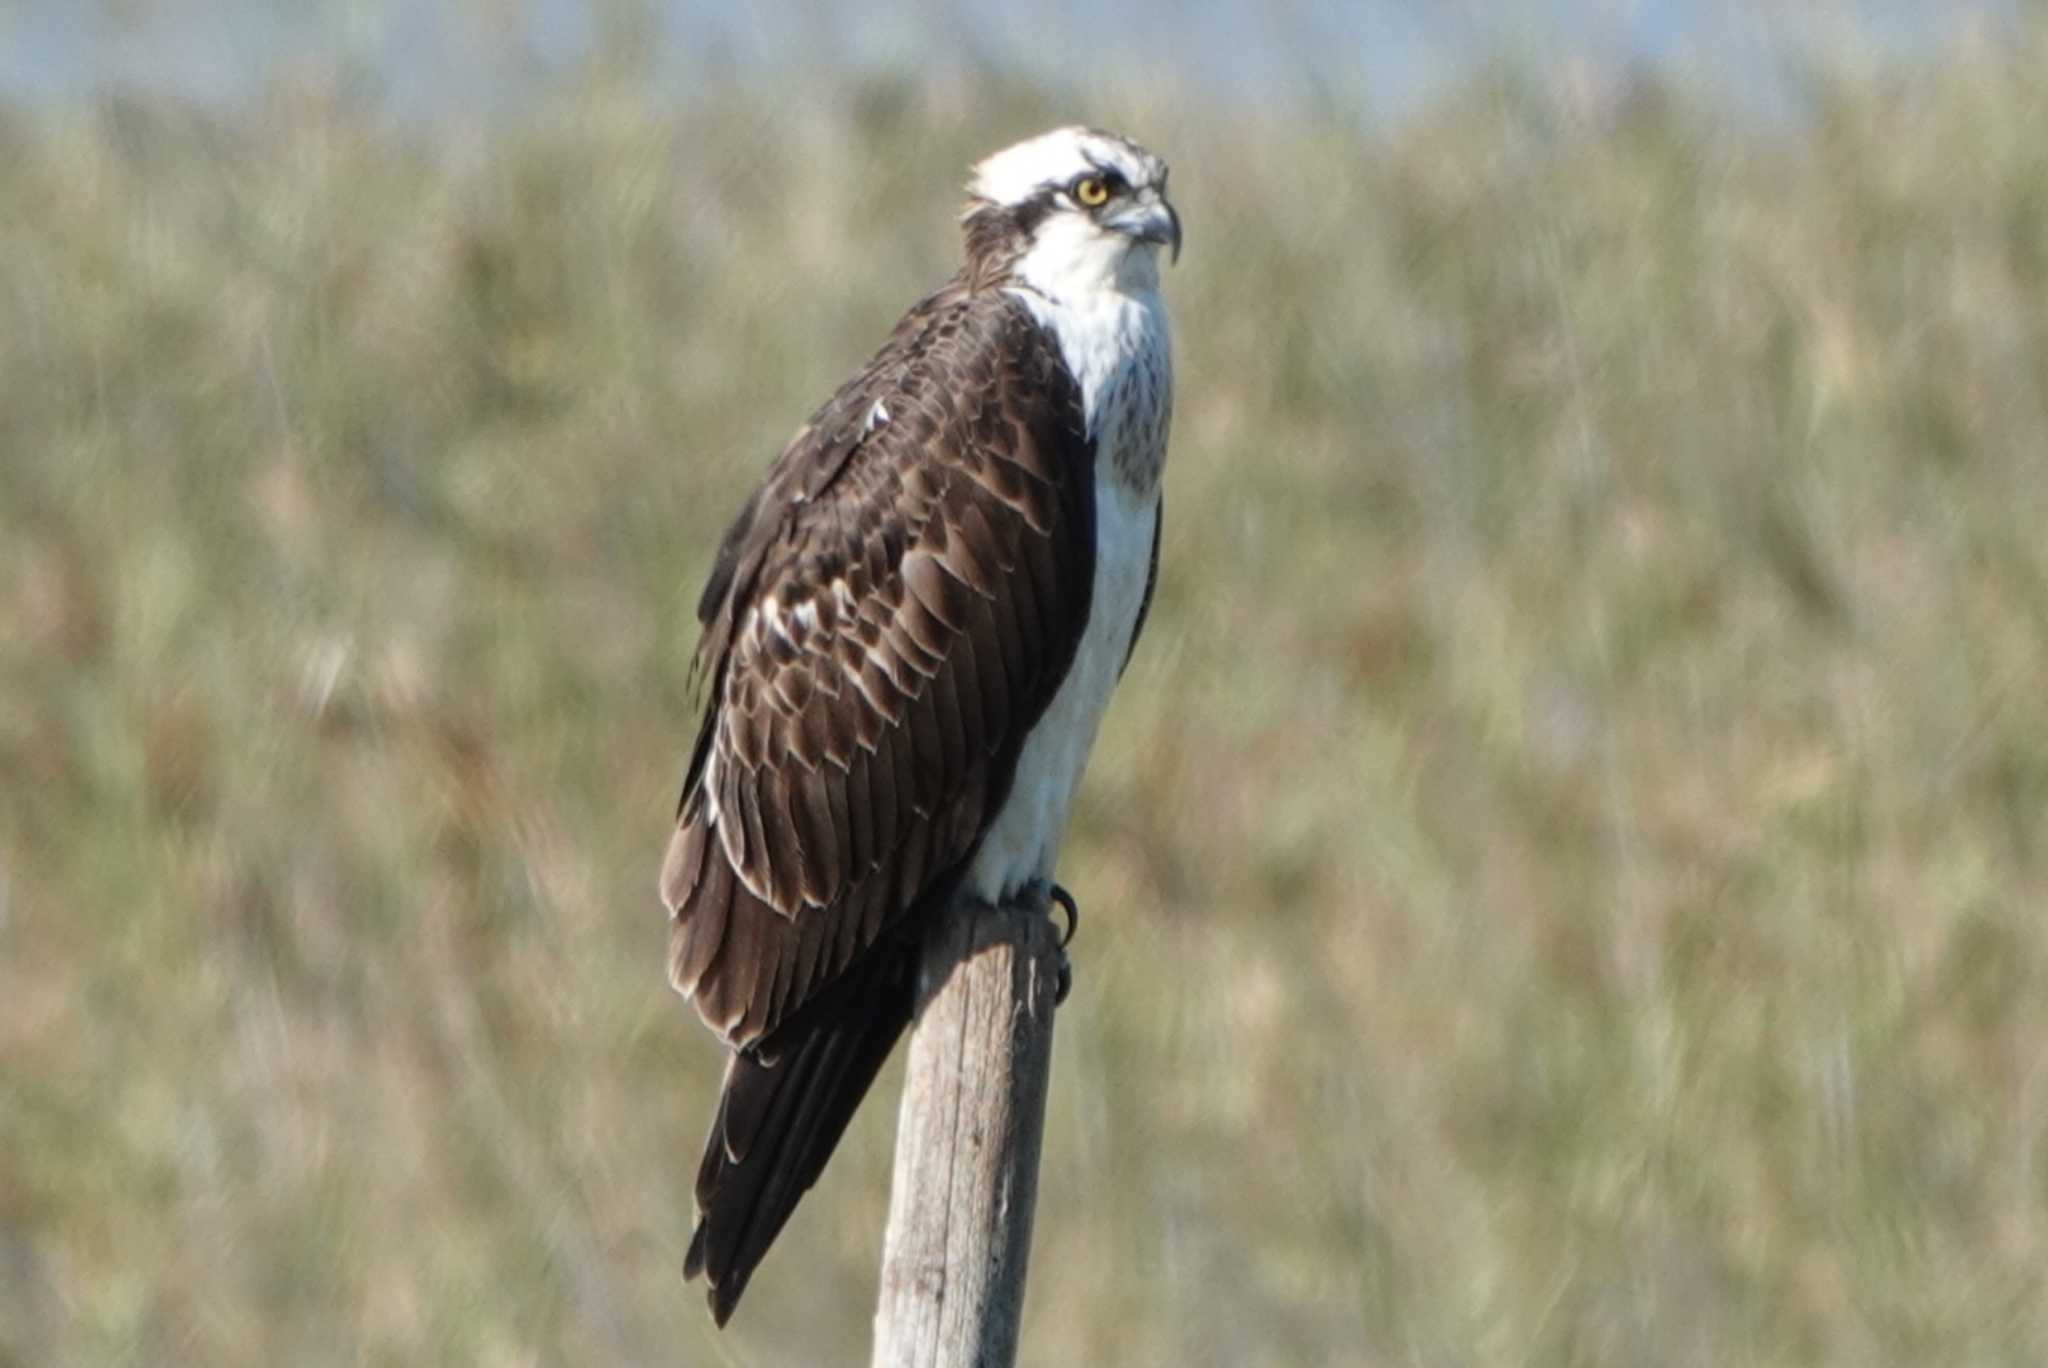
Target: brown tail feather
(785, 1105)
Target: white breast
(1118, 351)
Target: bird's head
(1071, 211)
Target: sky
(1381, 56)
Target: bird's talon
(1065, 901)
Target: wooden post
(967, 1141)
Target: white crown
(1015, 174)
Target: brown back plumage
(886, 619)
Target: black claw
(1064, 984)
(1066, 901)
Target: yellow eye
(1092, 191)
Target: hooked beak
(1152, 219)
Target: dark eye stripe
(1033, 211)
(1111, 180)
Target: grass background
(1564, 873)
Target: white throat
(1072, 257)
(1099, 295)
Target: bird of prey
(910, 633)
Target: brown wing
(885, 621)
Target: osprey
(910, 633)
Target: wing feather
(697, 940)
(760, 859)
(810, 813)
(965, 671)
(774, 982)
(780, 860)
(1007, 617)
(860, 815)
(926, 631)
(944, 708)
(927, 751)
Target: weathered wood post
(967, 1141)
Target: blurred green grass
(1564, 871)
